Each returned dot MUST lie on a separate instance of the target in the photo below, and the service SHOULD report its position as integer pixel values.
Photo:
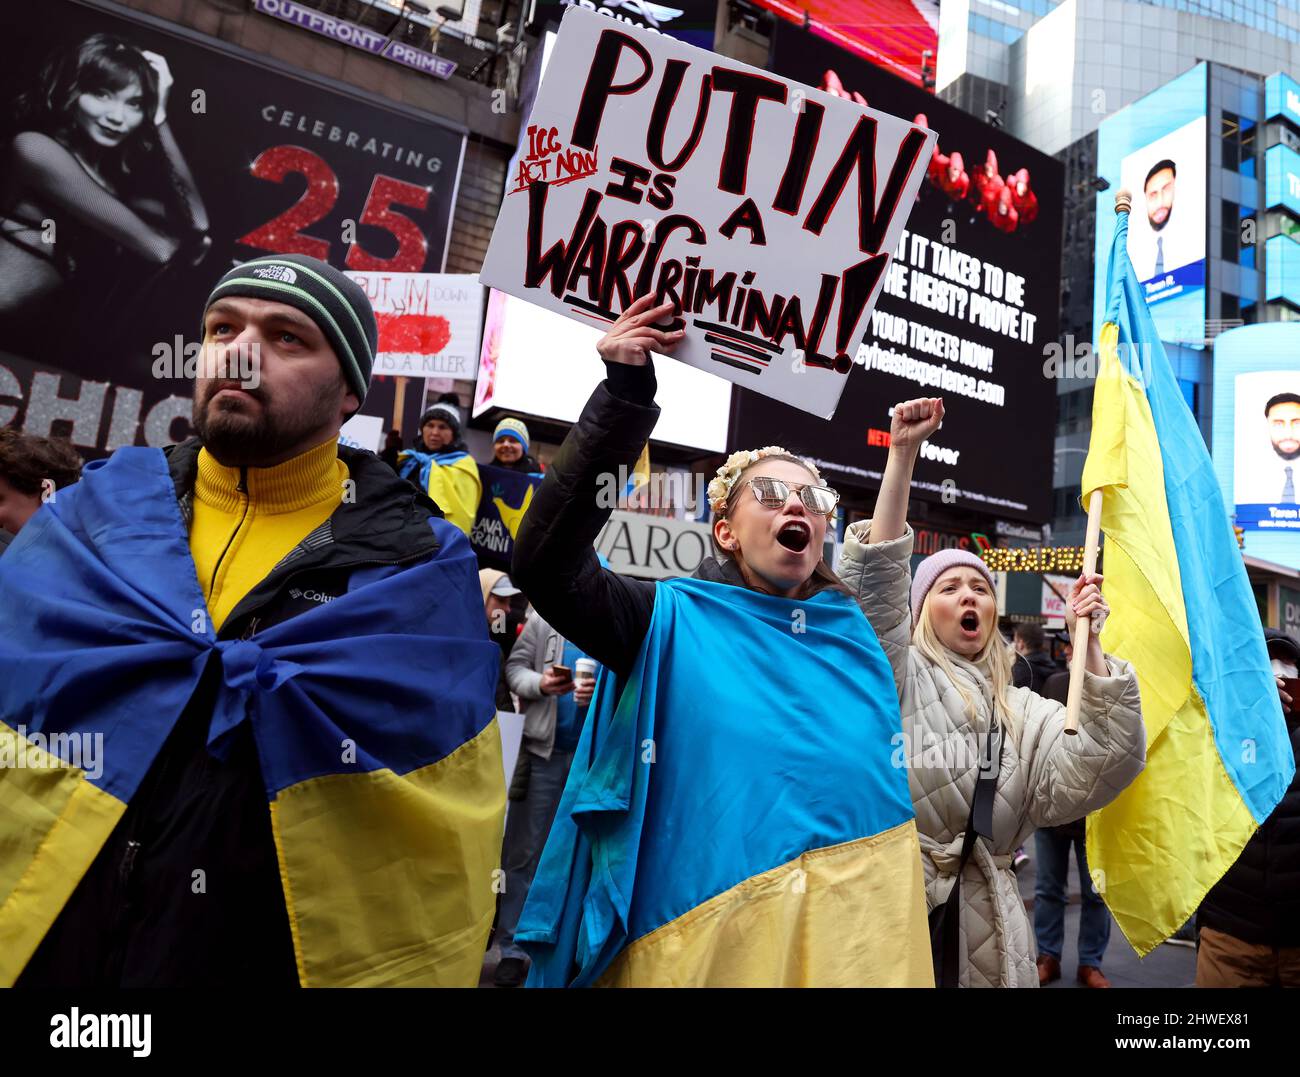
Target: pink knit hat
(935, 566)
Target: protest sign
(428, 322)
(765, 210)
(652, 547)
(363, 432)
(506, 497)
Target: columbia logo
(311, 596)
(280, 273)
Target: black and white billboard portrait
(141, 162)
(93, 172)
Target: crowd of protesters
(273, 524)
(439, 463)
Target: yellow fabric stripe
(641, 470)
(1148, 623)
(1156, 850)
(238, 537)
(456, 489)
(851, 915)
(53, 823)
(391, 880)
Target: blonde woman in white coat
(952, 669)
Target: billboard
(358, 37)
(539, 363)
(895, 34)
(1282, 97)
(1266, 450)
(1282, 179)
(1256, 435)
(764, 210)
(1282, 269)
(143, 162)
(691, 21)
(1157, 149)
(970, 306)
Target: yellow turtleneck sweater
(247, 519)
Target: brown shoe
(1091, 976)
(1049, 969)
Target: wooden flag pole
(1083, 625)
(399, 404)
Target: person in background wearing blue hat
(440, 464)
(510, 447)
(278, 803)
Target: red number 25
(282, 234)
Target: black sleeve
(604, 614)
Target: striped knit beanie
(446, 408)
(337, 305)
(512, 428)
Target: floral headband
(729, 473)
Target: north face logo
(280, 273)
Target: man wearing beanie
(229, 781)
(441, 466)
(510, 447)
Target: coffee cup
(584, 668)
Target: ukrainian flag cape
(733, 817)
(373, 720)
(451, 480)
(1182, 611)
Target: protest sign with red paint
(428, 322)
(767, 211)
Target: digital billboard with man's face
(1166, 243)
(1156, 149)
(1255, 435)
(1266, 460)
(1159, 193)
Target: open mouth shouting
(970, 625)
(795, 535)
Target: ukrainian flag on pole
(1218, 758)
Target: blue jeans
(1049, 899)
(527, 826)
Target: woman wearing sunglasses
(988, 763)
(732, 817)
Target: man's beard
(1284, 454)
(1161, 226)
(239, 437)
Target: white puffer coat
(1048, 778)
